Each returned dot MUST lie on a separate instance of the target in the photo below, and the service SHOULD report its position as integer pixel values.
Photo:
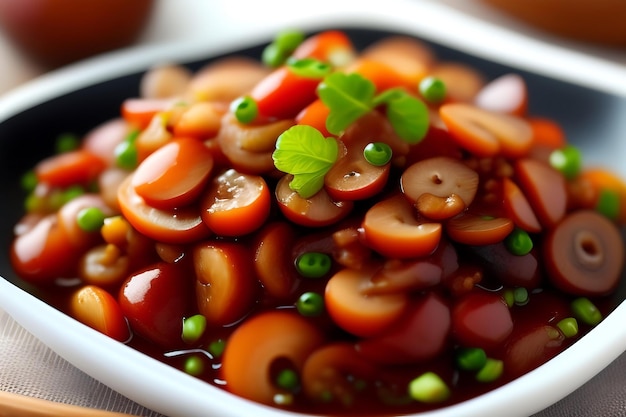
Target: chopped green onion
(66, 142)
(608, 203)
(471, 359)
(432, 89)
(313, 264)
(586, 311)
(429, 388)
(193, 328)
(90, 219)
(509, 298)
(194, 365)
(568, 160)
(568, 326)
(29, 181)
(491, 371)
(518, 242)
(216, 347)
(309, 68)
(377, 153)
(276, 53)
(287, 379)
(245, 109)
(310, 304)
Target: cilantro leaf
(305, 153)
(348, 96)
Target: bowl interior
(592, 120)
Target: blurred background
(39, 35)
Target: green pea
(310, 304)
(66, 142)
(568, 160)
(126, 155)
(29, 181)
(90, 219)
(491, 371)
(309, 68)
(194, 365)
(518, 242)
(377, 153)
(245, 109)
(520, 296)
(586, 311)
(72, 192)
(432, 89)
(471, 359)
(429, 388)
(287, 379)
(216, 347)
(193, 328)
(608, 203)
(313, 264)
(568, 326)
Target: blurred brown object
(57, 32)
(597, 21)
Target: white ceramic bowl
(588, 96)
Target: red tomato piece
(155, 300)
(283, 93)
(545, 188)
(420, 335)
(174, 175)
(236, 204)
(481, 319)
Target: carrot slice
(472, 229)
(68, 168)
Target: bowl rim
(543, 384)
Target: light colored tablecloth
(28, 367)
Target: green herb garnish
(305, 153)
(348, 96)
(351, 96)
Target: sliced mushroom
(584, 254)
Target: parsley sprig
(350, 96)
(305, 153)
